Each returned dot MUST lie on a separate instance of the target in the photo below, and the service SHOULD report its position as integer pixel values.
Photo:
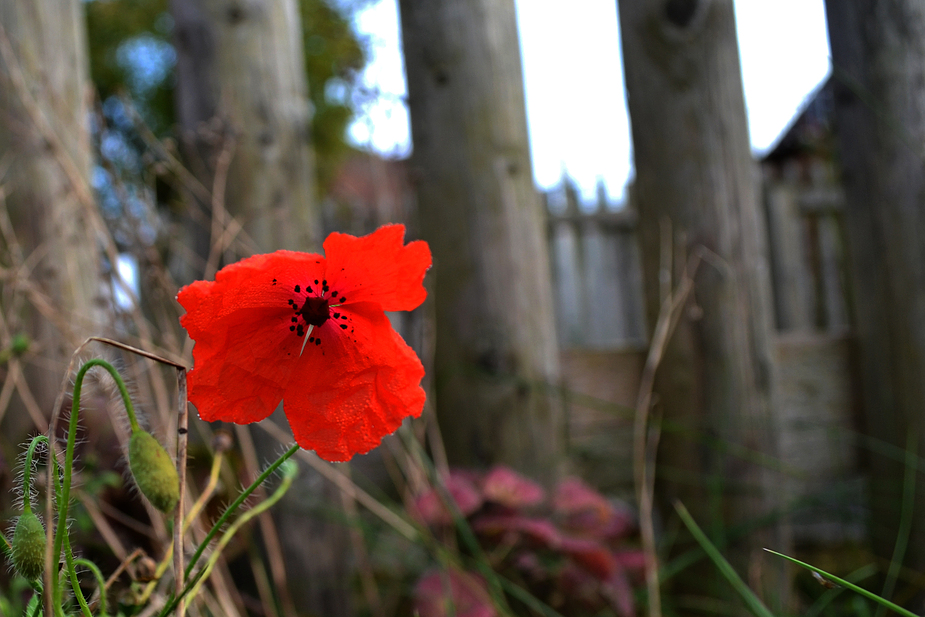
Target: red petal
(244, 353)
(378, 268)
(355, 387)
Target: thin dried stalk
(99, 521)
(367, 578)
(182, 439)
(345, 484)
(644, 448)
(267, 528)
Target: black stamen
(308, 289)
(333, 294)
(300, 330)
(297, 289)
(315, 311)
(343, 326)
(317, 341)
(336, 315)
(311, 339)
(292, 328)
(316, 281)
(343, 299)
(295, 320)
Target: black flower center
(314, 311)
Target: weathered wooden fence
(595, 261)
(602, 331)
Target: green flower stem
(100, 581)
(75, 584)
(237, 503)
(64, 501)
(221, 522)
(27, 471)
(289, 474)
(69, 553)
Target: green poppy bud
(29, 546)
(154, 471)
(20, 344)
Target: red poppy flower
(310, 331)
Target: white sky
(784, 52)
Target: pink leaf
(430, 508)
(618, 592)
(537, 530)
(504, 486)
(587, 512)
(440, 593)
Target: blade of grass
(849, 585)
(752, 601)
(905, 522)
(829, 596)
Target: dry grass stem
(267, 526)
(345, 484)
(645, 444)
(178, 520)
(364, 567)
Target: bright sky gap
(576, 108)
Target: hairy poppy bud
(154, 471)
(29, 546)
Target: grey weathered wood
(45, 146)
(822, 486)
(787, 241)
(495, 332)
(241, 73)
(597, 278)
(878, 54)
(601, 388)
(571, 292)
(694, 169)
(833, 271)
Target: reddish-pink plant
(585, 511)
(441, 593)
(504, 486)
(431, 508)
(570, 550)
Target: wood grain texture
(878, 56)
(694, 171)
(47, 159)
(495, 344)
(240, 67)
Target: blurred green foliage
(332, 52)
(131, 54)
